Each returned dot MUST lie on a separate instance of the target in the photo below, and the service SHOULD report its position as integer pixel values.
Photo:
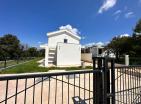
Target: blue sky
(96, 20)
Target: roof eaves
(55, 32)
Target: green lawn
(32, 66)
(11, 62)
(8, 63)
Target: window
(100, 51)
(65, 40)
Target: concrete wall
(94, 51)
(46, 56)
(53, 40)
(68, 55)
(86, 57)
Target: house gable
(60, 32)
(62, 36)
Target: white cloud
(107, 5)
(70, 28)
(129, 14)
(124, 35)
(99, 44)
(89, 44)
(96, 44)
(39, 42)
(117, 12)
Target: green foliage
(41, 53)
(9, 46)
(127, 45)
(138, 27)
(132, 60)
(121, 46)
(32, 51)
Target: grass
(8, 63)
(32, 66)
(11, 62)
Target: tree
(41, 52)
(120, 46)
(32, 52)
(137, 29)
(3, 53)
(137, 38)
(127, 45)
(10, 46)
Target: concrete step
(51, 53)
(50, 61)
(52, 49)
(51, 57)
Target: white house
(95, 50)
(63, 49)
(89, 51)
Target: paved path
(50, 94)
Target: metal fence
(128, 85)
(105, 84)
(120, 85)
(48, 88)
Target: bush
(135, 61)
(132, 60)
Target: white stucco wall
(94, 51)
(53, 40)
(45, 46)
(46, 55)
(68, 54)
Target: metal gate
(128, 85)
(104, 84)
(73, 87)
(116, 85)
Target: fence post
(113, 80)
(110, 77)
(106, 81)
(94, 82)
(103, 90)
(126, 60)
(97, 82)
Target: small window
(65, 40)
(100, 51)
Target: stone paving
(50, 95)
(125, 80)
